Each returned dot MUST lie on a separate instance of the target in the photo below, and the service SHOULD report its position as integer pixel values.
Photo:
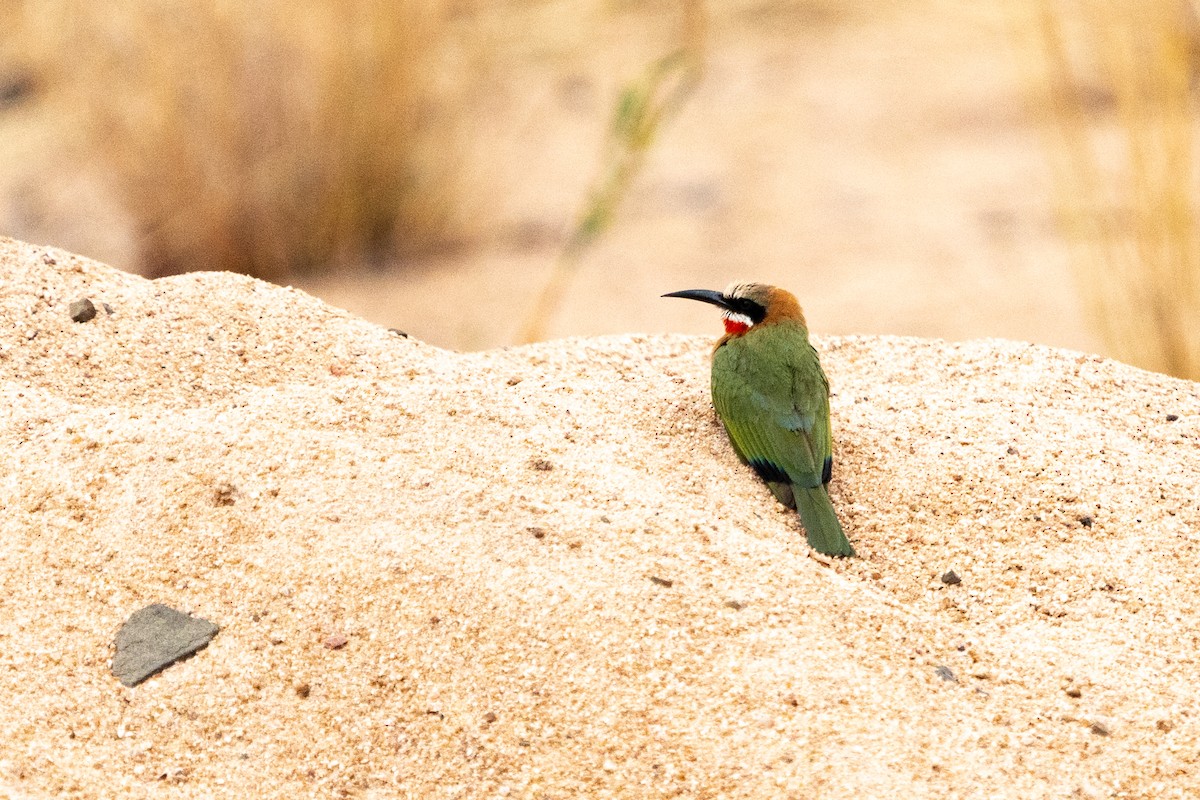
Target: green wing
(771, 394)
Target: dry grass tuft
(1114, 79)
(261, 137)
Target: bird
(772, 397)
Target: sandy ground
(554, 577)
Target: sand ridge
(552, 575)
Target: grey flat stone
(154, 638)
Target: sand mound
(551, 575)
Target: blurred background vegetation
(1115, 82)
(479, 173)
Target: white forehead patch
(737, 289)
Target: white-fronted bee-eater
(773, 397)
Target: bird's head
(745, 305)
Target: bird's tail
(825, 534)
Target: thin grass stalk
(644, 107)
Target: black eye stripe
(747, 307)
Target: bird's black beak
(704, 296)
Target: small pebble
(1172, 417)
(490, 717)
(398, 332)
(225, 494)
(1086, 521)
(1101, 728)
(1074, 691)
(335, 641)
(736, 605)
(950, 578)
(538, 533)
(946, 674)
(1050, 610)
(82, 310)
(662, 581)
(541, 464)
(303, 689)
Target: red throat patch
(734, 327)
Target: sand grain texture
(550, 574)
